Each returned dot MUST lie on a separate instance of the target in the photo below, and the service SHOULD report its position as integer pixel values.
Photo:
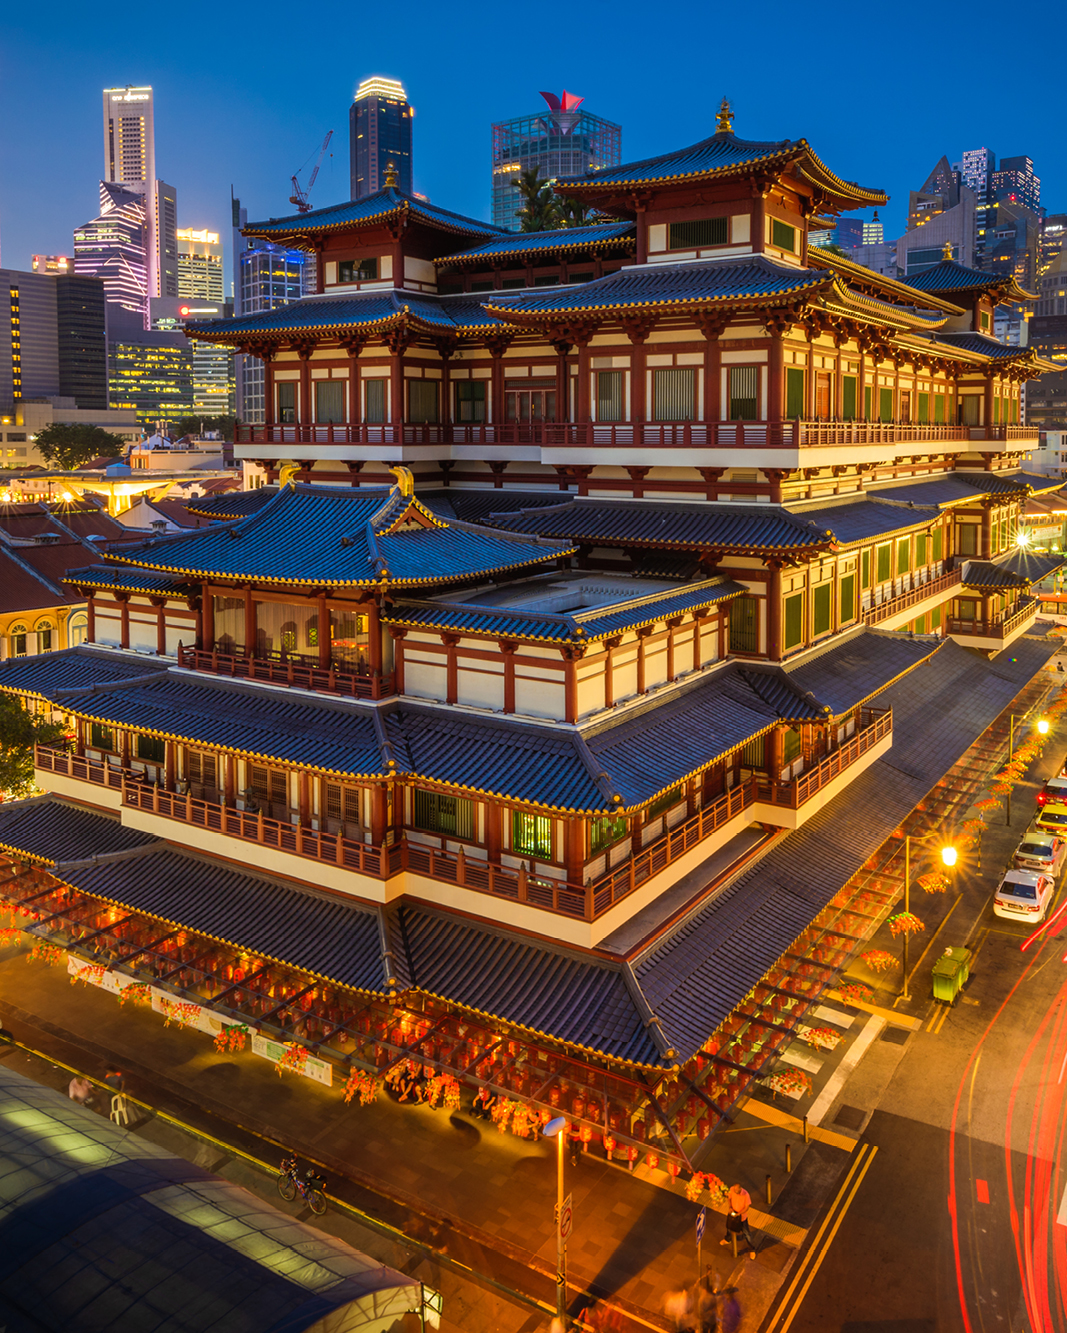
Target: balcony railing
(794, 794)
(997, 627)
(290, 671)
(678, 434)
(874, 615)
(582, 902)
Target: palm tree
(540, 211)
(572, 212)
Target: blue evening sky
(245, 93)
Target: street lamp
(949, 856)
(1042, 727)
(557, 1129)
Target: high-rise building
(52, 339)
(1052, 240)
(977, 167)
(166, 225)
(52, 264)
(152, 374)
(211, 365)
(1015, 183)
(873, 231)
(938, 193)
(565, 142)
(113, 246)
(265, 276)
(379, 132)
(200, 276)
(130, 158)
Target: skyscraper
(200, 289)
(379, 132)
(265, 276)
(166, 225)
(114, 246)
(873, 231)
(978, 165)
(199, 265)
(130, 161)
(1015, 183)
(565, 142)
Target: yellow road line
(773, 1115)
(890, 1015)
(855, 1171)
(821, 1256)
(918, 961)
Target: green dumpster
(950, 973)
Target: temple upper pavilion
(615, 595)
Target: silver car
(1040, 851)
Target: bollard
(805, 1129)
(733, 1242)
(788, 1158)
(768, 1189)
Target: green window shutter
(920, 551)
(665, 801)
(848, 397)
(604, 831)
(152, 748)
(939, 408)
(754, 753)
(885, 563)
(885, 404)
(790, 745)
(903, 555)
(531, 835)
(935, 618)
(693, 235)
(101, 737)
(821, 608)
(794, 393)
(848, 598)
(794, 620)
(867, 402)
(783, 236)
(924, 407)
(937, 545)
(744, 635)
(437, 813)
(865, 569)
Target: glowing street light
(557, 1129)
(948, 857)
(1042, 726)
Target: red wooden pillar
(759, 225)
(306, 414)
(642, 637)
(583, 405)
(250, 624)
(776, 382)
(90, 612)
(774, 611)
(987, 407)
(712, 382)
(170, 764)
(374, 643)
(303, 798)
(494, 832)
(161, 625)
(452, 667)
(206, 640)
(672, 626)
(229, 789)
(398, 658)
(508, 650)
(123, 599)
(325, 644)
(574, 850)
(638, 408)
(562, 387)
(378, 812)
(268, 390)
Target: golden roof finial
(392, 179)
(726, 118)
(287, 474)
(405, 480)
(946, 250)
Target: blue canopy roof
(374, 208)
(957, 486)
(752, 278)
(542, 242)
(725, 155)
(374, 311)
(45, 674)
(951, 276)
(337, 536)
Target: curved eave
(856, 273)
(815, 170)
(749, 300)
(121, 587)
(849, 302)
(481, 260)
(402, 317)
(301, 230)
(383, 581)
(219, 939)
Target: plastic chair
(119, 1113)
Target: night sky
(245, 93)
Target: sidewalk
(486, 1198)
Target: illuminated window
(437, 813)
(604, 831)
(531, 835)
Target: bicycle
(312, 1189)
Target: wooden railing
(292, 671)
(673, 434)
(794, 794)
(874, 615)
(583, 902)
(1000, 627)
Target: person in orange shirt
(739, 1201)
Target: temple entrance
(530, 401)
(822, 397)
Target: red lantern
(674, 1168)
(652, 1160)
(585, 1134)
(609, 1144)
(631, 1156)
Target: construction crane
(299, 196)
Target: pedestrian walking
(739, 1201)
(730, 1319)
(676, 1306)
(706, 1304)
(80, 1090)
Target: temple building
(615, 595)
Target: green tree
(572, 212)
(19, 731)
(540, 210)
(68, 446)
(194, 425)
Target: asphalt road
(947, 1221)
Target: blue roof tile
(856, 520)
(340, 537)
(950, 276)
(849, 672)
(957, 486)
(540, 242)
(752, 278)
(127, 580)
(73, 669)
(374, 209)
(373, 311)
(52, 830)
(232, 504)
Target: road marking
(915, 966)
(774, 1115)
(981, 1188)
(812, 1261)
(943, 1020)
(853, 1055)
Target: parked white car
(1023, 895)
(1040, 850)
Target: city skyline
(262, 138)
